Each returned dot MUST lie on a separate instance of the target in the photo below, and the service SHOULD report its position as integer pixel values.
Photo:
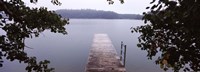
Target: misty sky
(129, 7)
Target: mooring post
(124, 55)
(121, 50)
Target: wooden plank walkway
(103, 56)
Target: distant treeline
(95, 14)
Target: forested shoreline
(95, 14)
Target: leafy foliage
(20, 22)
(172, 29)
(112, 2)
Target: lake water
(69, 53)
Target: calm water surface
(69, 53)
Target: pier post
(124, 55)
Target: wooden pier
(103, 56)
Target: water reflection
(70, 53)
(178, 46)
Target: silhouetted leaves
(20, 22)
(172, 29)
(56, 2)
(112, 2)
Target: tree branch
(5, 8)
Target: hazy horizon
(99, 10)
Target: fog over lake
(69, 53)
